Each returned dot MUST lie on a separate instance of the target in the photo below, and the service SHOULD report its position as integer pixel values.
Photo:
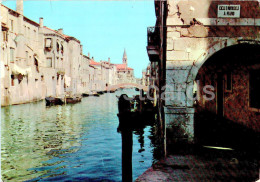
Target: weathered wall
(236, 101)
(194, 33)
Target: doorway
(220, 95)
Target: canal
(76, 142)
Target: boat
(100, 92)
(94, 94)
(85, 94)
(73, 100)
(53, 101)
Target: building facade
(193, 47)
(38, 62)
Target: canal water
(76, 142)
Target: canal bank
(71, 142)
(224, 151)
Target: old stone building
(38, 62)
(105, 75)
(125, 74)
(215, 43)
(145, 80)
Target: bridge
(127, 85)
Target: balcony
(153, 39)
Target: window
(42, 78)
(5, 36)
(48, 44)
(36, 64)
(49, 62)
(229, 81)
(58, 46)
(11, 55)
(12, 25)
(254, 88)
(62, 49)
(12, 80)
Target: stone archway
(234, 74)
(214, 48)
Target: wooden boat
(73, 100)
(85, 94)
(53, 101)
(100, 92)
(94, 94)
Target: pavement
(225, 151)
(196, 168)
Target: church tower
(125, 58)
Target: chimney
(60, 31)
(41, 22)
(19, 6)
(109, 60)
(88, 54)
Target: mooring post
(127, 149)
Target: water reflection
(69, 143)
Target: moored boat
(53, 101)
(85, 94)
(73, 100)
(94, 94)
(100, 92)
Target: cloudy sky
(104, 28)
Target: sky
(105, 28)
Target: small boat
(53, 101)
(137, 89)
(85, 94)
(73, 100)
(100, 92)
(94, 94)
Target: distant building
(125, 74)
(145, 80)
(105, 75)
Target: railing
(153, 47)
(153, 36)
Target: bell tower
(125, 58)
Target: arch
(212, 50)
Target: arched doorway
(228, 97)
